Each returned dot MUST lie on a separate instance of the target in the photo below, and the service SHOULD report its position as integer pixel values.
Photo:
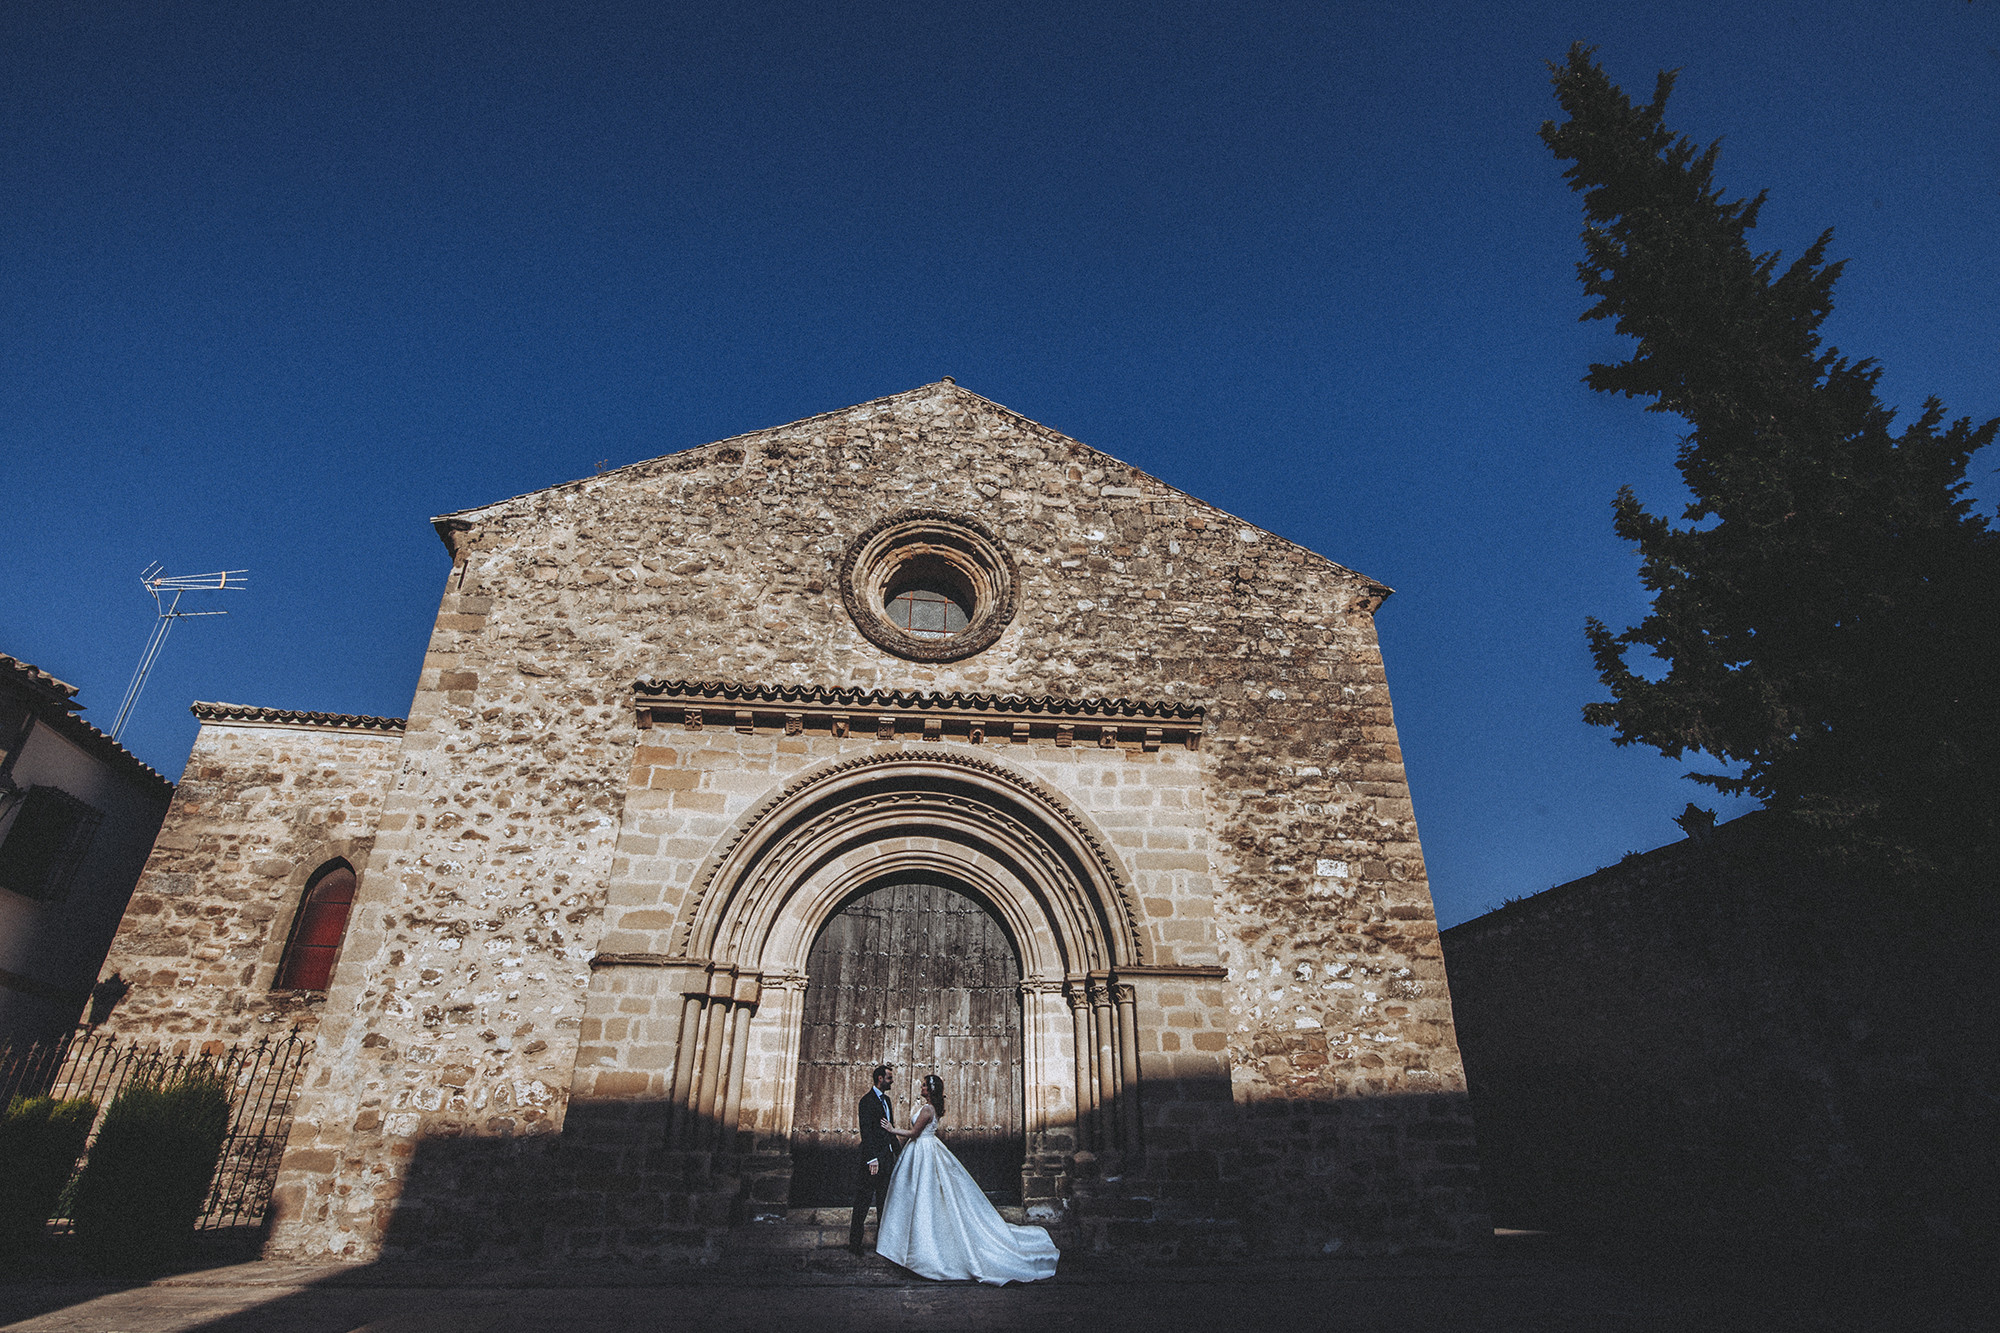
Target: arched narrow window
(318, 928)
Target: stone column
(781, 1012)
(742, 1005)
(1040, 1013)
(1105, 1031)
(1086, 1074)
(681, 1092)
(706, 1102)
(1129, 1117)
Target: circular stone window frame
(973, 554)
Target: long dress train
(937, 1223)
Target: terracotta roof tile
(58, 714)
(857, 698)
(37, 681)
(289, 717)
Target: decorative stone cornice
(892, 714)
(250, 715)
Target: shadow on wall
(1215, 1180)
(1798, 1164)
(1719, 1042)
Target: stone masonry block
(719, 564)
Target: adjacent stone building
(1732, 1041)
(271, 805)
(912, 732)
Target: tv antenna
(167, 590)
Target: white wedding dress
(938, 1224)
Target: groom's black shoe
(857, 1248)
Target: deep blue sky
(279, 281)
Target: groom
(878, 1152)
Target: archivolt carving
(736, 954)
(991, 809)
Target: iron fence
(263, 1078)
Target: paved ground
(1515, 1289)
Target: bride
(938, 1224)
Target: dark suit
(879, 1146)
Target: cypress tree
(1828, 609)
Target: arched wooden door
(922, 977)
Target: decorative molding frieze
(1185, 970)
(890, 715)
(602, 960)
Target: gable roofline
(37, 684)
(457, 519)
(448, 525)
(53, 703)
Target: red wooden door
(924, 978)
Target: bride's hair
(934, 1092)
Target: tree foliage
(1828, 611)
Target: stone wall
(688, 789)
(268, 797)
(534, 827)
(1721, 1042)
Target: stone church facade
(915, 731)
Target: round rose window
(929, 586)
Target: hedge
(149, 1171)
(40, 1140)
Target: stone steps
(815, 1236)
(828, 1217)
